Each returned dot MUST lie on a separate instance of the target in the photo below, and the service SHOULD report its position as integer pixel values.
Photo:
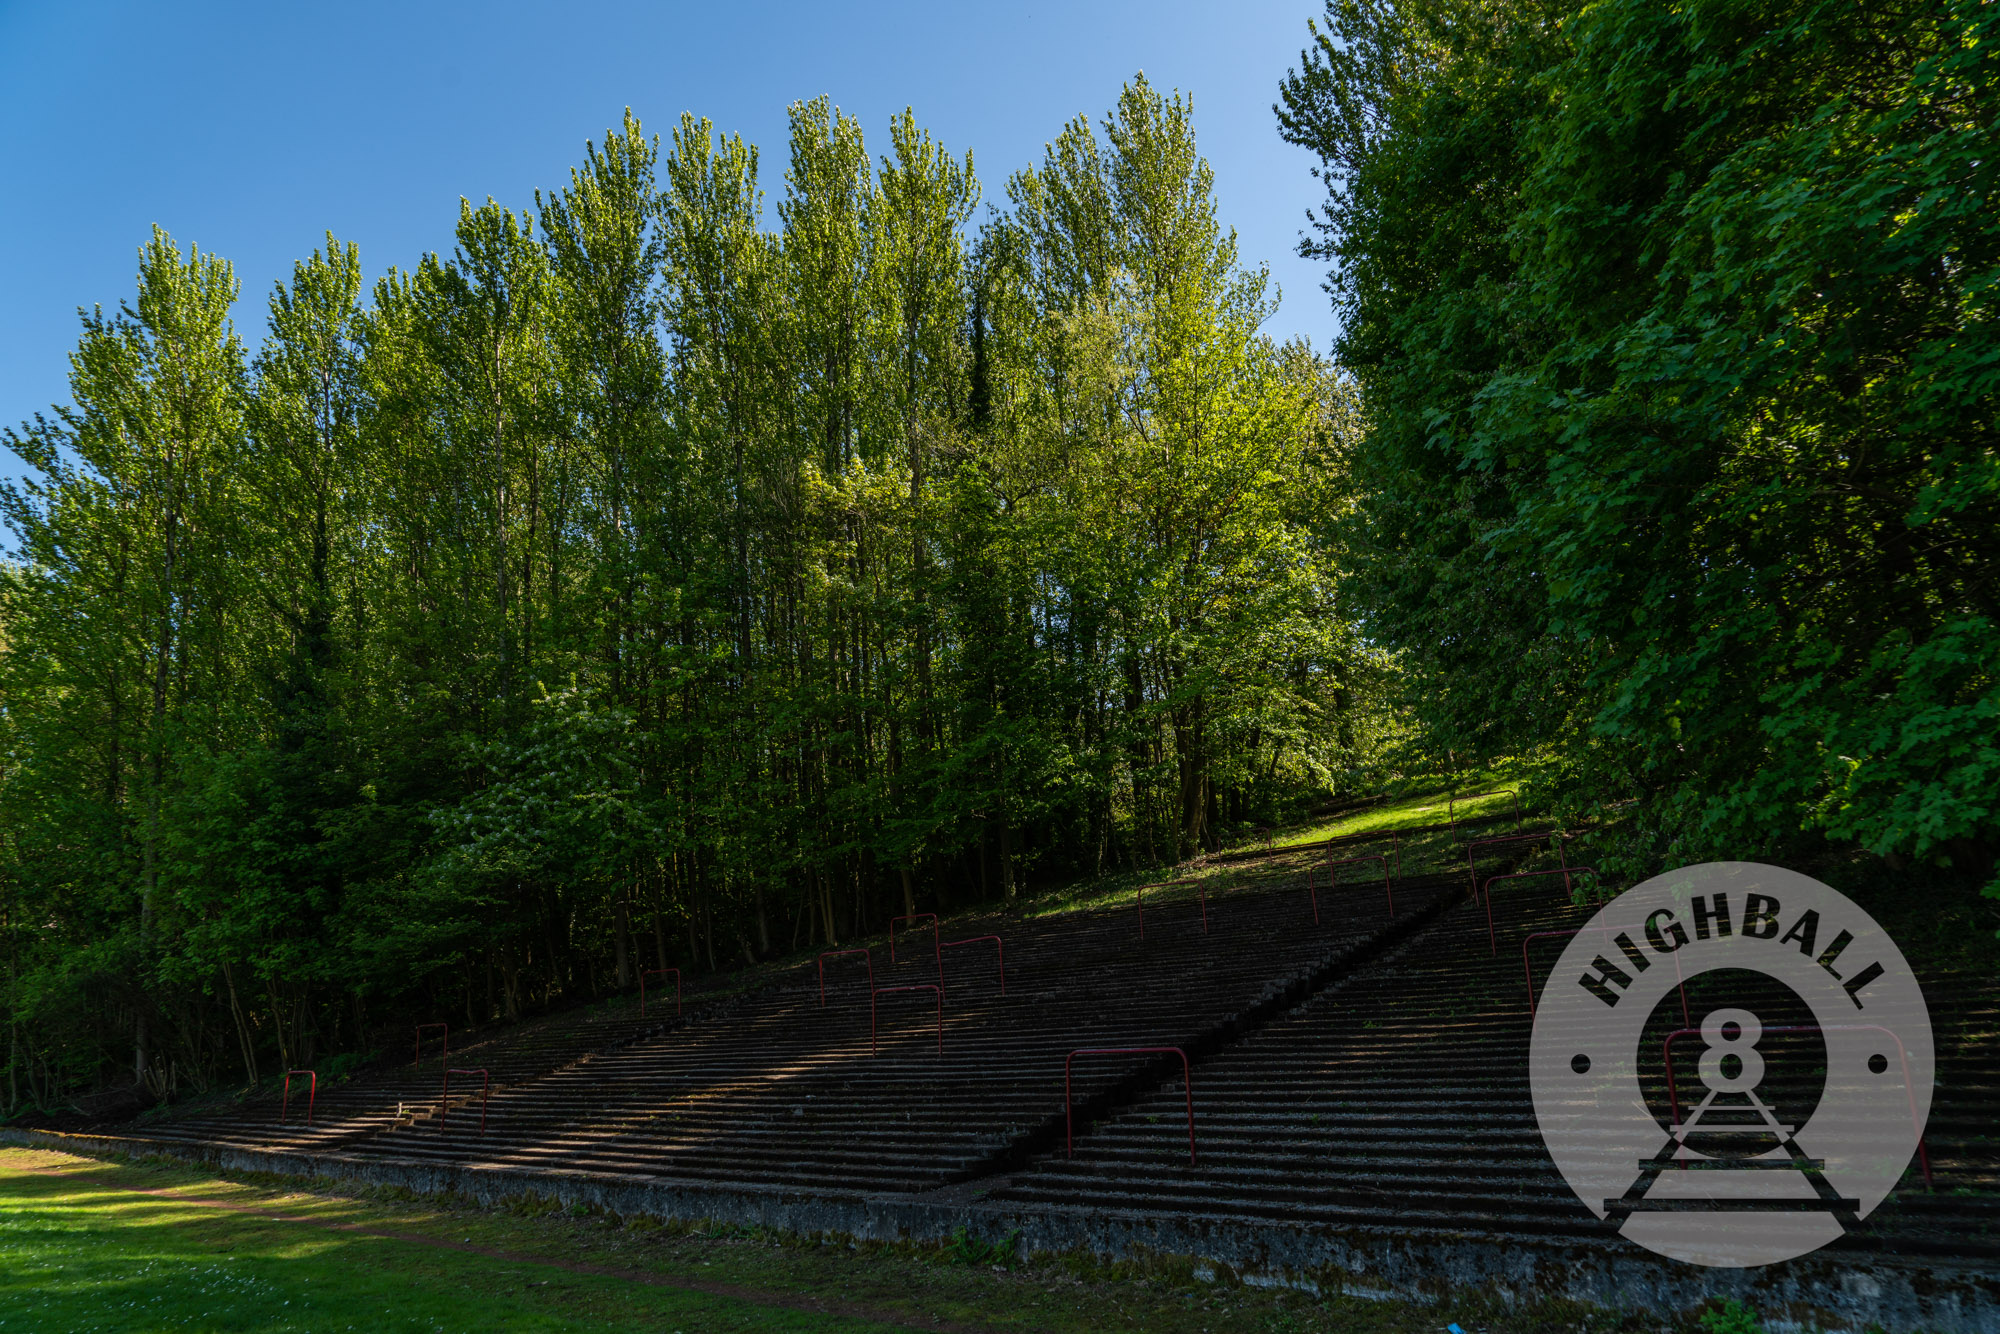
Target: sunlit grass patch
(1429, 851)
(78, 1253)
(83, 1250)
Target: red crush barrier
(1451, 808)
(1492, 940)
(932, 987)
(1577, 930)
(445, 1054)
(1349, 861)
(312, 1093)
(659, 972)
(911, 917)
(841, 954)
(1562, 849)
(1199, 888)
(1142, 907)
(1187, 1079)
(1923, 1150)
(999, 950)
(485, 1095)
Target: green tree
(1680, 453)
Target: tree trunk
(243, 1035)
(623, 944)
(1007, 858)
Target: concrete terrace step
(780, 1087)
(1362, 1077)
(1399, 1097)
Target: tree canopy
(1675, 333)
(652, 574)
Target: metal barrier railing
(1578, 930)
(1395, 845)
(659, 972)
(841, 954)
(1909, 1089)
(1187, 1079)
(1331, 878)
(1562, 849)
(935, 937)
(1492, 939)
(418, 1059)
(312, 1094)
(1451, 805)
(1200, 890)
(932, 987)
(1000, 952)
(485, 1096)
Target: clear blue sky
(251, 129)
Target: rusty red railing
(1578, 930)
(1451, 805)
(841, 954)
(999, 950)
(1332, 878)
(1909, 1089)
(1562, 849)
(418, 1059)
(312, 1094)
(1187, 1079)
(485, 1096)
(645, 973)
(1200, 889)
(932, 987)
(1142, 907)
(1492, 939)
(935, 937)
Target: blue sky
(253, 129)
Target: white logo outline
(1818, 1179)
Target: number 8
(1742, 1045)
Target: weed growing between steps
(81, 1248)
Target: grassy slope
(1427, 806)
(82, 1250)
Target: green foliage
(1673, 329)
(633, 583)
(1731, 1317)
(965, 1249)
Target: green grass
(1409, 813)
(84, 1248)
(1423, 802)
(1425, 852)
(1428, 805)
(80, 1253)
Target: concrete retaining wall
(1831, 1292)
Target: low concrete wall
(1837, 1291)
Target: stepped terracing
(1361, 1107)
